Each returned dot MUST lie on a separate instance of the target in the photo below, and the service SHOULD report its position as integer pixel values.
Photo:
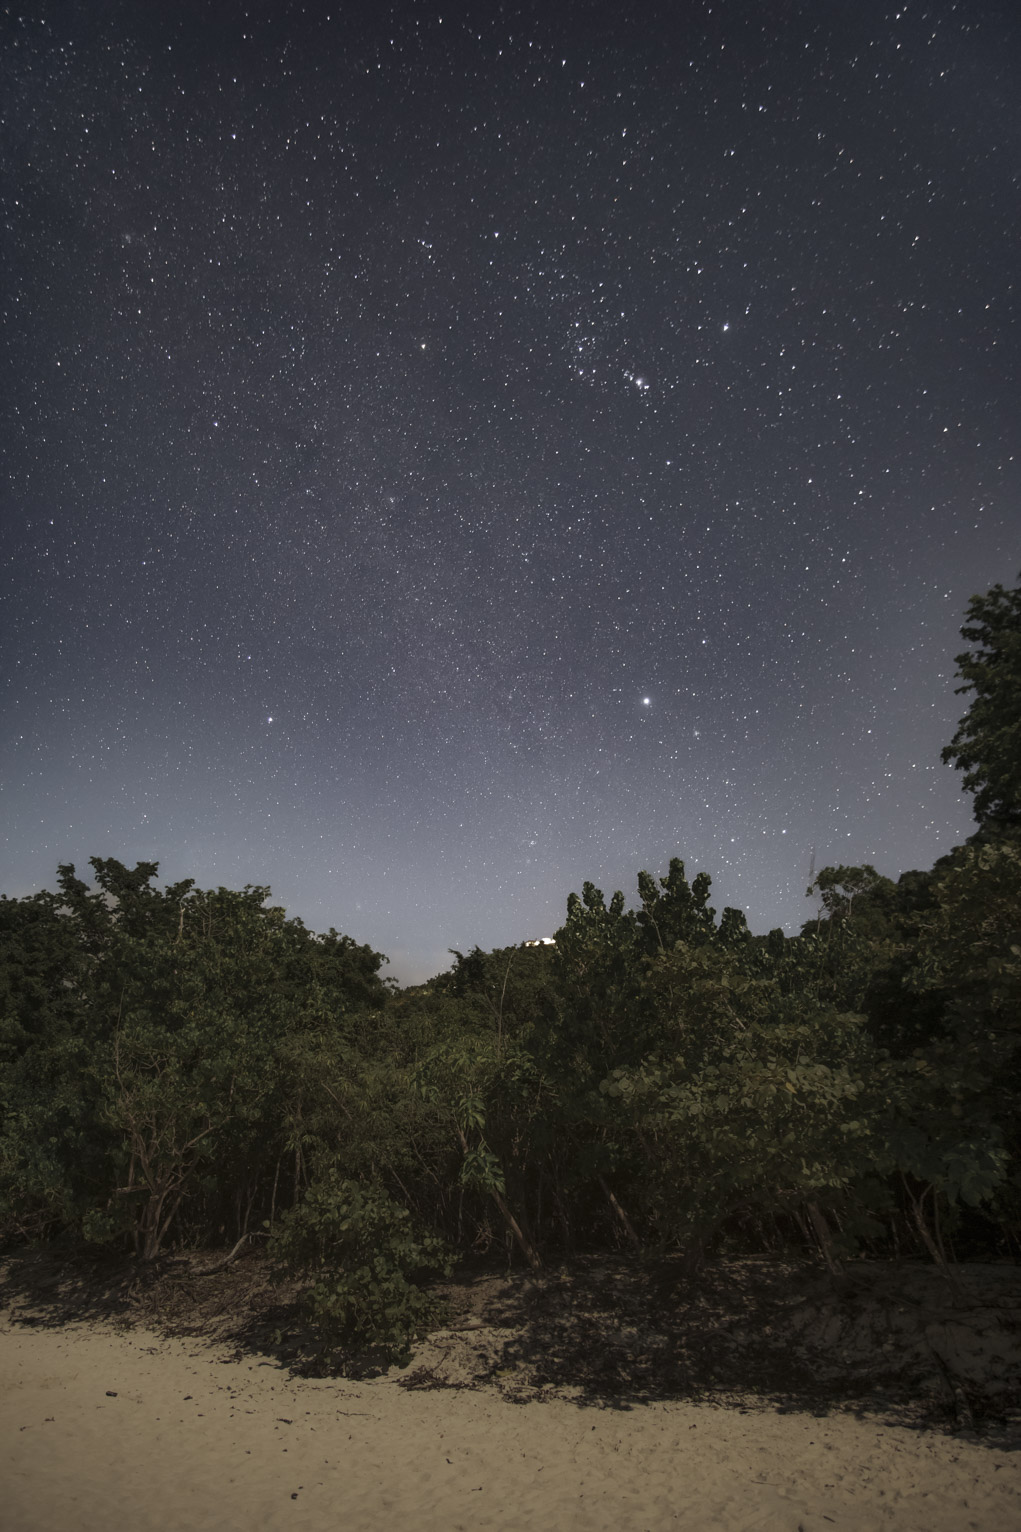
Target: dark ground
(754, 1331)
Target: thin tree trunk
(527, 1247)
(806, 1232)
(625, 1222)
(918, 1213)
(273, 1196)
(529, 1251)
(564, 1222)
(822, 1234)
(253, 1188)
(499, 1017)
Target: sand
(107, 1428)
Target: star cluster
(455, 452)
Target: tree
(681, 913)
(987, 745)
(162, 1051)
(839, 887)
(46, 1095)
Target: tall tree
(987, 745)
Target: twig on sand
(210, 1271)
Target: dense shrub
(366, 1262)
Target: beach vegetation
(185, 1067)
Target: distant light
(646, 702)
(269, 720)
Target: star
(454, 572)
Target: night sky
(454, 452)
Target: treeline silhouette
(183, 1067)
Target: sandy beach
(103, 1427)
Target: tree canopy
(183, 1066)
(987, 744)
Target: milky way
(454, 452)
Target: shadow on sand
(893, 1342)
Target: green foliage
(968, 942)
(987, 744)
(597, 942)
(681, 913)
(145, 1035)
(366, 1262)
(179, 1064)
(757, 1101)
(506, 989)
(965, 963)
(858, 891)
(47, 1099)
